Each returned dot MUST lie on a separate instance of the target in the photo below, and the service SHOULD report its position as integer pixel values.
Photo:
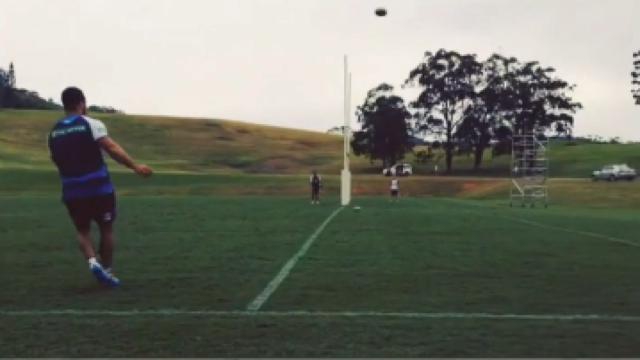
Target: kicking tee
(73, 145)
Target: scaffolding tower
(529, 170)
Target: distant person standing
(395, 189)
(316, 182)
(76, 143)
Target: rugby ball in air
(381, 11)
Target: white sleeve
(97, 128)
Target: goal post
(345, 175)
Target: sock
(93, 262)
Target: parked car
(404, 169)
(614, 173)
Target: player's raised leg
(106, 252)
(80, 213)
(107, 245)
(86, 246)
(105, 217)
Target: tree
(4, 87)
(535, 101)
(104, 109)
(635, 77)
(26, 99)
(12, 97)
(11, 76)
(4, 79)
(447, 79)
(336, 130)
(516, 98)
(385, 131)
(484, 120)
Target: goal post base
(345, 188)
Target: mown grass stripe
(572, 231)
(548, 227)
(273, 285)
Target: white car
(614, 173)
(404, 169)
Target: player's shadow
(90, 289)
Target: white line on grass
(257, 303)
(572, 231)
(324, 314)
(552, 227)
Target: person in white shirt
(395, 189)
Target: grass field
(217, 146)
(429, 276)
(220, 253)
(569, 192)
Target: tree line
(471, 105)
(12, 97)
(16, 98)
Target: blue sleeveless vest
(77, 155)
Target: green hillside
(568, 159)
(205, 145)
(181, 144)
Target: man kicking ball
(75, 144)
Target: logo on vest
(69, 130)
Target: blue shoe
(113, 280)
(104, 276)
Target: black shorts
(315, 189)
(101, 209)
(395, 193)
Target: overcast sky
(280, 61)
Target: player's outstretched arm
(118, 154)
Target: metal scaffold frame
(529, 170)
